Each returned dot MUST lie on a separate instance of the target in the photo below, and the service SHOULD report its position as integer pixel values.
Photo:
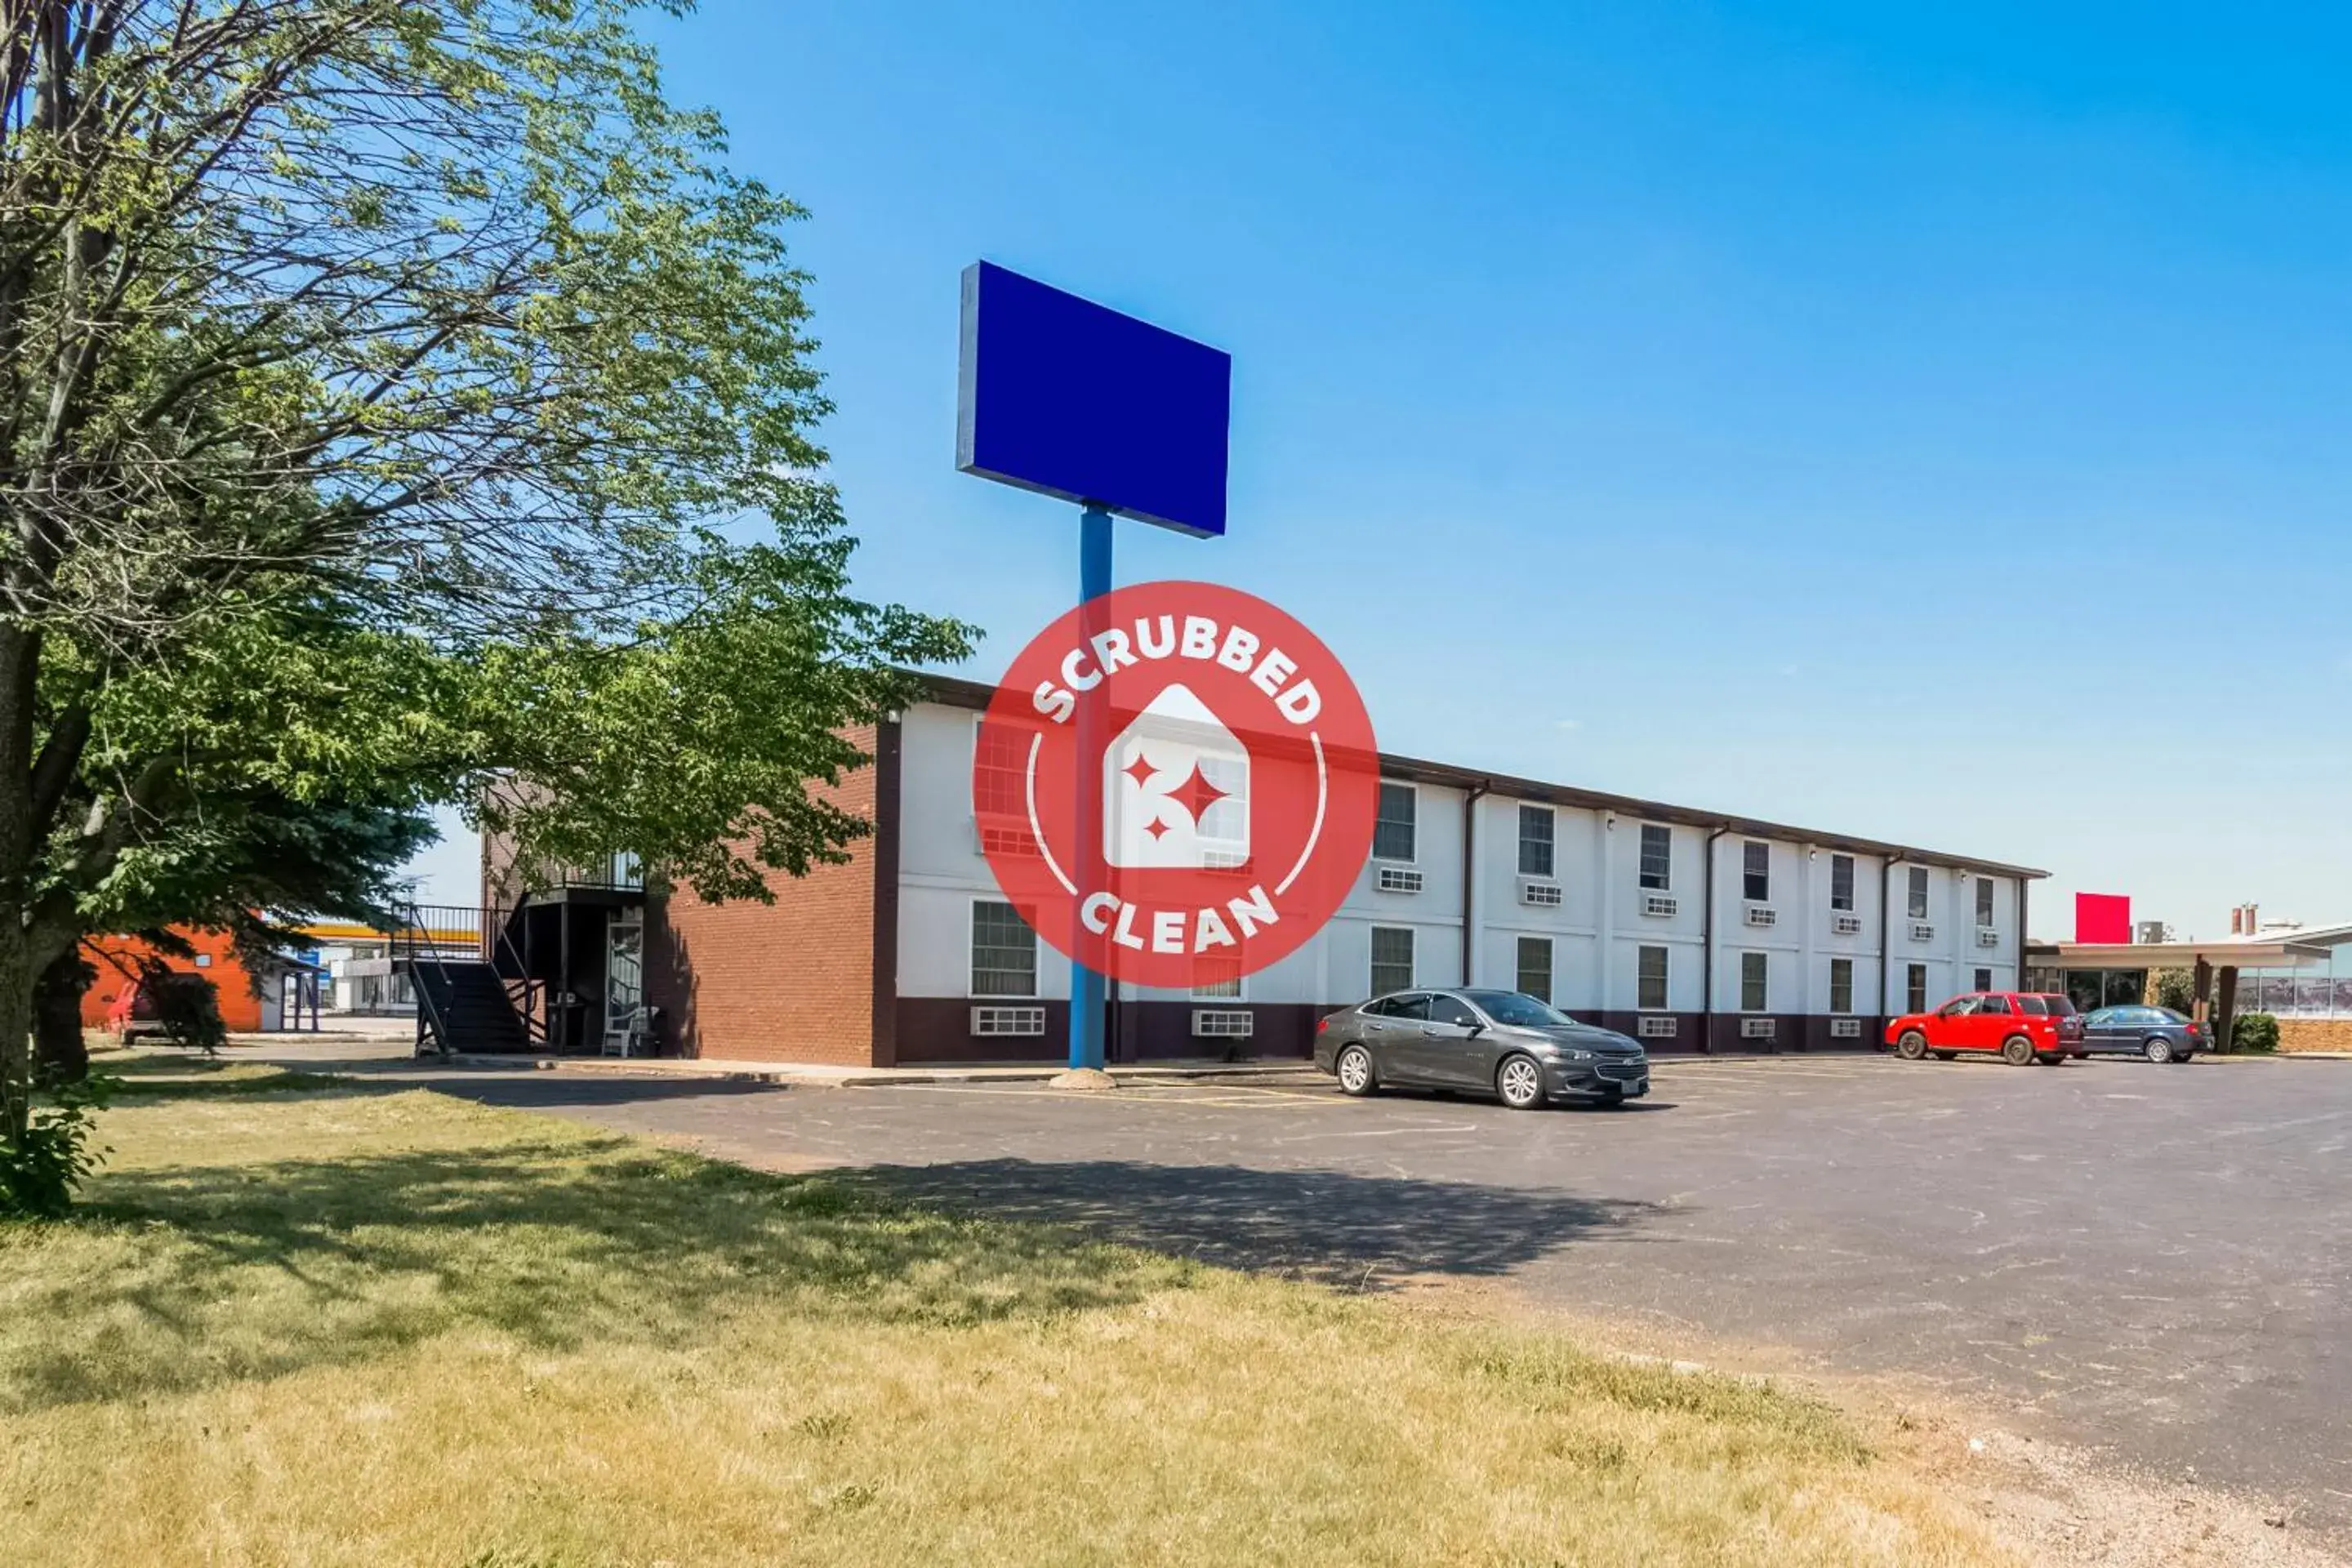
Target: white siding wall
(1597, 931)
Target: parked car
(135, 1015)
(1504, 1043)
(2023, 1026)
(2159, 1034)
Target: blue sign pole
(1089, 994)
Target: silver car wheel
(1520, 1083)
(1355, 1070)
(2159, 1050)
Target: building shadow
(1360, 1232)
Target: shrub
(187, 1008)
(38, 1176)
(2254, 1033)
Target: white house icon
(1176, 788)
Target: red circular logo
(1176, 784)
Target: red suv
(2024, 1027)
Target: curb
(805, 1077)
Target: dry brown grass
(347, 1327)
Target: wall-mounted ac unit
(1762, 915)
(989, 1023)
(1538, 894)
(1399, 879)
(1756, 1029)
(1658, 1027)
(1005, 841)
(1846, 1028)
(1845, 925)
(1922, 931)
(1988, 937)
(1221, 1024)
(1659, 906)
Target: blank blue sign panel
(1062, 396)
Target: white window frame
(1745, 847)
(1984, 980)
(1641, 855)
(1373, 960)
(1763, 968)
(1845, 863)
(1916, 892)
(1988, 902)
(970, 951)
(1665, 977)
(1240, 993)
(1834, 965)
(1552, 966)
(1414, 791)
(1915, 987)
(1549, 842)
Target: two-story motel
(1694, 930)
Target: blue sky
(1927, 426)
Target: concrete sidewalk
(819, 1075)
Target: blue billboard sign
(1064, 396)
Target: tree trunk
(57, 1044)
(19, 663)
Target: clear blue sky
(1930, 427)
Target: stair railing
(498, 943)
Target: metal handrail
(496, 941)
(413, 933)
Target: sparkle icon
(1176, 788)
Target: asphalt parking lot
(2151, 1261)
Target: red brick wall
(790, 981)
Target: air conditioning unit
(1005, 841)
(1756, 1029)
(1400, 880)
(1657, 1026)
(1762, 915)
(1221, 1024)
(1659, 906)
(1988, 937)
(1224, 860)
(991, 1023)
(1922, 931)
(1541, 895)
(1845, 925)
(1846, 1028)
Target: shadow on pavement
(1363, 1232)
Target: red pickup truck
(2023, 1026)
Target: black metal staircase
(462, 1005)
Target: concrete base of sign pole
(1082, 1077)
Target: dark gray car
(1500, 1042)
(2159, 1034)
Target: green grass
(350, 1326)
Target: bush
(187, 1008)
(37, 1176)
(2256, 1033)
(2173, 988)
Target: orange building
(116, 960)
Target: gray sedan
(1500, 1042)
(2159, 1034)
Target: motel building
(1691, 930)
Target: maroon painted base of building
(938, 1030)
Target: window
(2033, 1006)
(1915, 989)
(1216, 976)
(1984, 900)
(1841, 985)
(1452, 1010)
(1392, 959)
(1650, 979)
(1004, 952)
(999, 772)
(1657, 857)
(1756, 878)
(1841, 882)
(1535, 840)
(1752, 997)
(1393, 834)
(1990, 1007)
(1535, 967)
(1918, 879)
(1984, 983)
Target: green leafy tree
(398, 396)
